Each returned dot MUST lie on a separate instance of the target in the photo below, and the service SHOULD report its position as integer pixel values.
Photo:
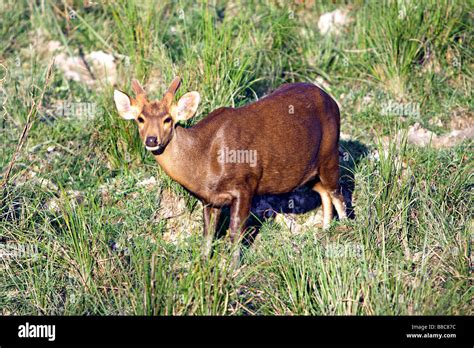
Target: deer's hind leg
(328, 189)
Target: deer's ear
(186, 107)
(124, 106)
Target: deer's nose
(151, 141)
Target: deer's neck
(182, 156)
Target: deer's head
(157, 119)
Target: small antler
(169, 95)
(137, 88)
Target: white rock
(53, 205)
(53, 46)
(147, 182)
(289, 222)
(422, 137)
(331, 22)
(101, 64)
(171, 205)
(419, 136)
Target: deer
(293, 134)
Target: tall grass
(396, 36)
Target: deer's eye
(167, 120)
(140, 120)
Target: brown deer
(272, 146)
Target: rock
(53, 46)
(179, 229)
(105, 195)
(171, 205)
(367, 99)
(454, 138)
(53, 205)
(102, 71)
(332, 22)
(76, 196)
(101, 65)
(315, 220)
(41, 45)
(73, 197)
(290, 222)
(420, 136)
(24, 177)
(436, 122)
(180, 222)
(45, 184)
(345, 136)
(461, 119)
(150, 182)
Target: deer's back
(289, 133)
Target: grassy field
(90, 225)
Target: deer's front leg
(211, 219)
(239, 212)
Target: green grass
(89, 240)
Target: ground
(90, 225)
